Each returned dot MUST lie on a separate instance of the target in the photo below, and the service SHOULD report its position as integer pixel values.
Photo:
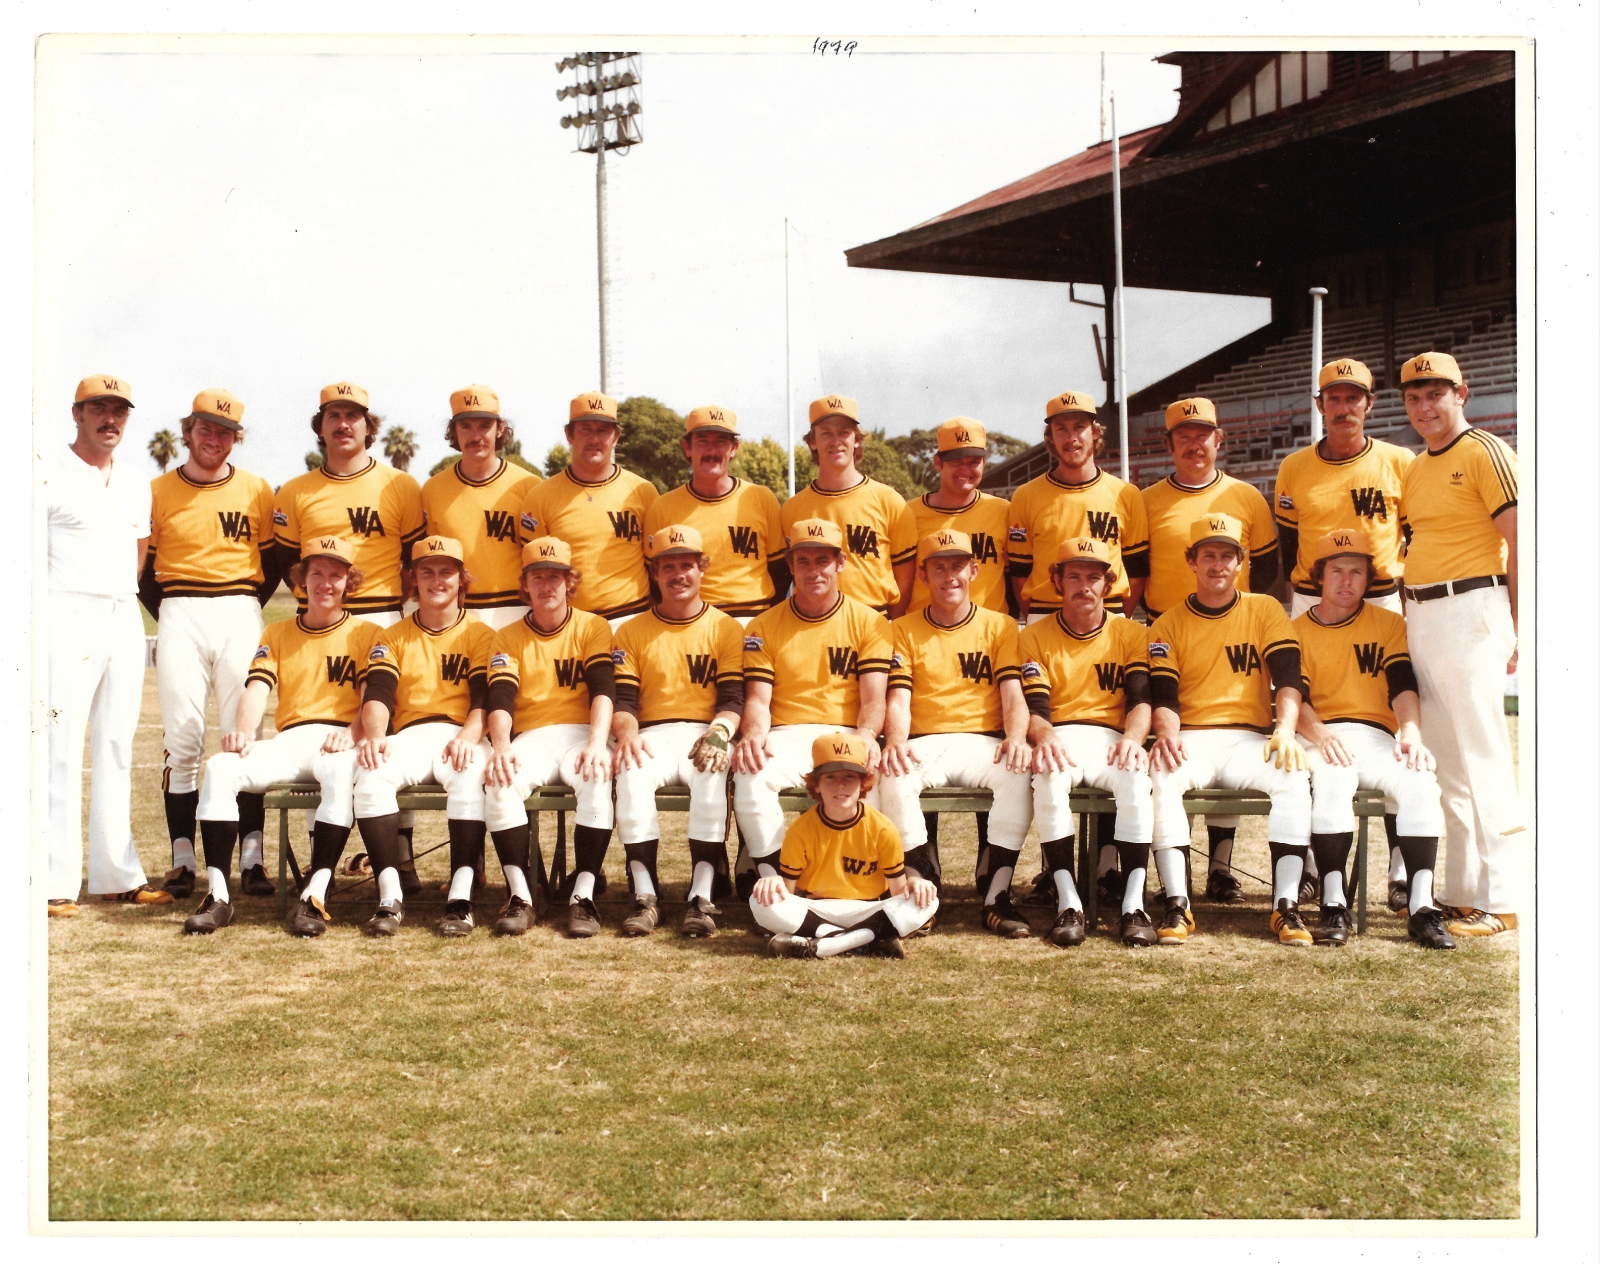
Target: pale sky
(414, 218)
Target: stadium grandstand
(1387, 178)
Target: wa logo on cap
(839, 747)
(1084, 546)
(1422, 364)
(436, 546)
(944, 539)
(1342, 539)
(596, 403)
(1343, 370)
(547, 550)
(1191, 410)
(963, 435)
(223, 406)
(328, 543)
(345, 389)
(1217, 524)
(716, 414)
(814, 532)
(110, 384)
(835, 402)
(467, 397)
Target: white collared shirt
(94, 524)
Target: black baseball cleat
(254, 881)
(457, 920)
(1003, 919)
(310, 918)
(1041, 891)
(891, 948)
(515, 918)
(1333, 926)
(583, 922)
(1399, 896)
(179, 882)
(697, 923)
(386, 920)
(796, 946)
(645, 917)
(1069, 930)
(1111, 884)
(1223, 888)
(1427, 927)
(1137, 932)
(213, 914)
(1310, 890)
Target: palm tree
(399, 445)
(163, 448)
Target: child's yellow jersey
(853, 861)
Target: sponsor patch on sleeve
(1285, 502)
(617, 658)
(262, 651)
(1160, 649)
(1032, 671)
(500, 660)
(1017, 535)
(753, 643)
(529, 522)
(378, 652)
(279, 518)
(896, 662)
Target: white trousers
(295, 755)
(203, 644)
(545, 756)
(966, 760)
(1231, 759)
(95, 684)
(416, 757)
(1087, 744)
(1299, 603)
(1460, 646)
(786, 916)
(668, 765)
(498, 617)
(755, 794)
(1414, 792)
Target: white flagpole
(1121, 296)
(1317, 295)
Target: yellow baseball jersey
(483, 517)
(1170, 510)
(1349, 667)
(741, 532)
(680, 668)
(207, 538)
(1046, 511)
(1084, 679)
(815, 665)
(436, 675)
(853, 861)
(954, 674)
(1315, 495)
(317, 671)
(547, 669)
(379, 511)
(604, 525)
(879, 534)
(1450, 500)
(1219, 660)
(984, 520)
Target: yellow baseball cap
(1216, 527)
(474, 401)
(1197, 411)
(1431, 366)
(220, 407)
(713, 420)
(674, 539)
(963, 436)
(1084, 548)
(1351, 371)
(593, 406)
(1344, 542)
(547, 554)
(816, 533)
(346, 392)
(1068, 402)
(835, 406)
(438, 546)
(103, 386)
(328, 546)
(839, 752)
(945, 542)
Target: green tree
(763, 463)
(315, 459)
(399, 445)
(651, 440)
(557, 459)
(805, 468)
(163, 448)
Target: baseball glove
(1282, 751)
(710, 752)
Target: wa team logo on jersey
(1105, 527)
(1243, 660)
(976, 667)
(624, 525)
(1369, 502)
(744, 541)
(863, 541)
(569, 672)
(1110, 676)
(453, 668)
(235, 524)
(498, 525)
(842, 661)
(853, 865)
(364, 521)
(983, 549)
(341, 670)
(1369, 658)
(702, 669)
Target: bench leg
(558, 860)
(283, 862)
(1361, 876)
(1088, 826)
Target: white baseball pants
(416, 757)
(755, 795)
(202, 644)
(295, 755)
(1460, 646)
(1230, 759)
(1087, 744)
(1414, 792)
(544, 756)
(786, 916)
(498, 617)
(96, 683)
(959, 759)
(668, 765)
(1299, 603)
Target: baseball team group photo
(1102, 808)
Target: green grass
(251, 1075)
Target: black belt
(1434, 591)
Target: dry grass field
(251, 1075)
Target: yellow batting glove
(1284, 752)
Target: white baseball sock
(318, 886)
(183, 854)
(1421, 890)
(1000, 883)
(1133, 892)
(642, 885)
(460, 884)
(700, 884)
(1397, 865)
(1066, 892)
(1221, 855)
(1172, 867)
(582, 886)
(1286, 875)
(764, 869)
(1333, 889)
(389, 886)
(219, 884)
(844, 941)
(250, 850)
(517, 883)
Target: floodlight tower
(607, 84)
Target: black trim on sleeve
(1263, 571)
(477, 691)
(1019, 567)
(601, 678)
(1164, 692)
(1136, 565)
(1038, 704)
(1136, 688)
(381, 687)
(272, 570)
(628, 698)
(730, 694)
(149, 589)
(1402, 677)
(1284, 665)
(1288, 548)
(778, 573)
(503, 696)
